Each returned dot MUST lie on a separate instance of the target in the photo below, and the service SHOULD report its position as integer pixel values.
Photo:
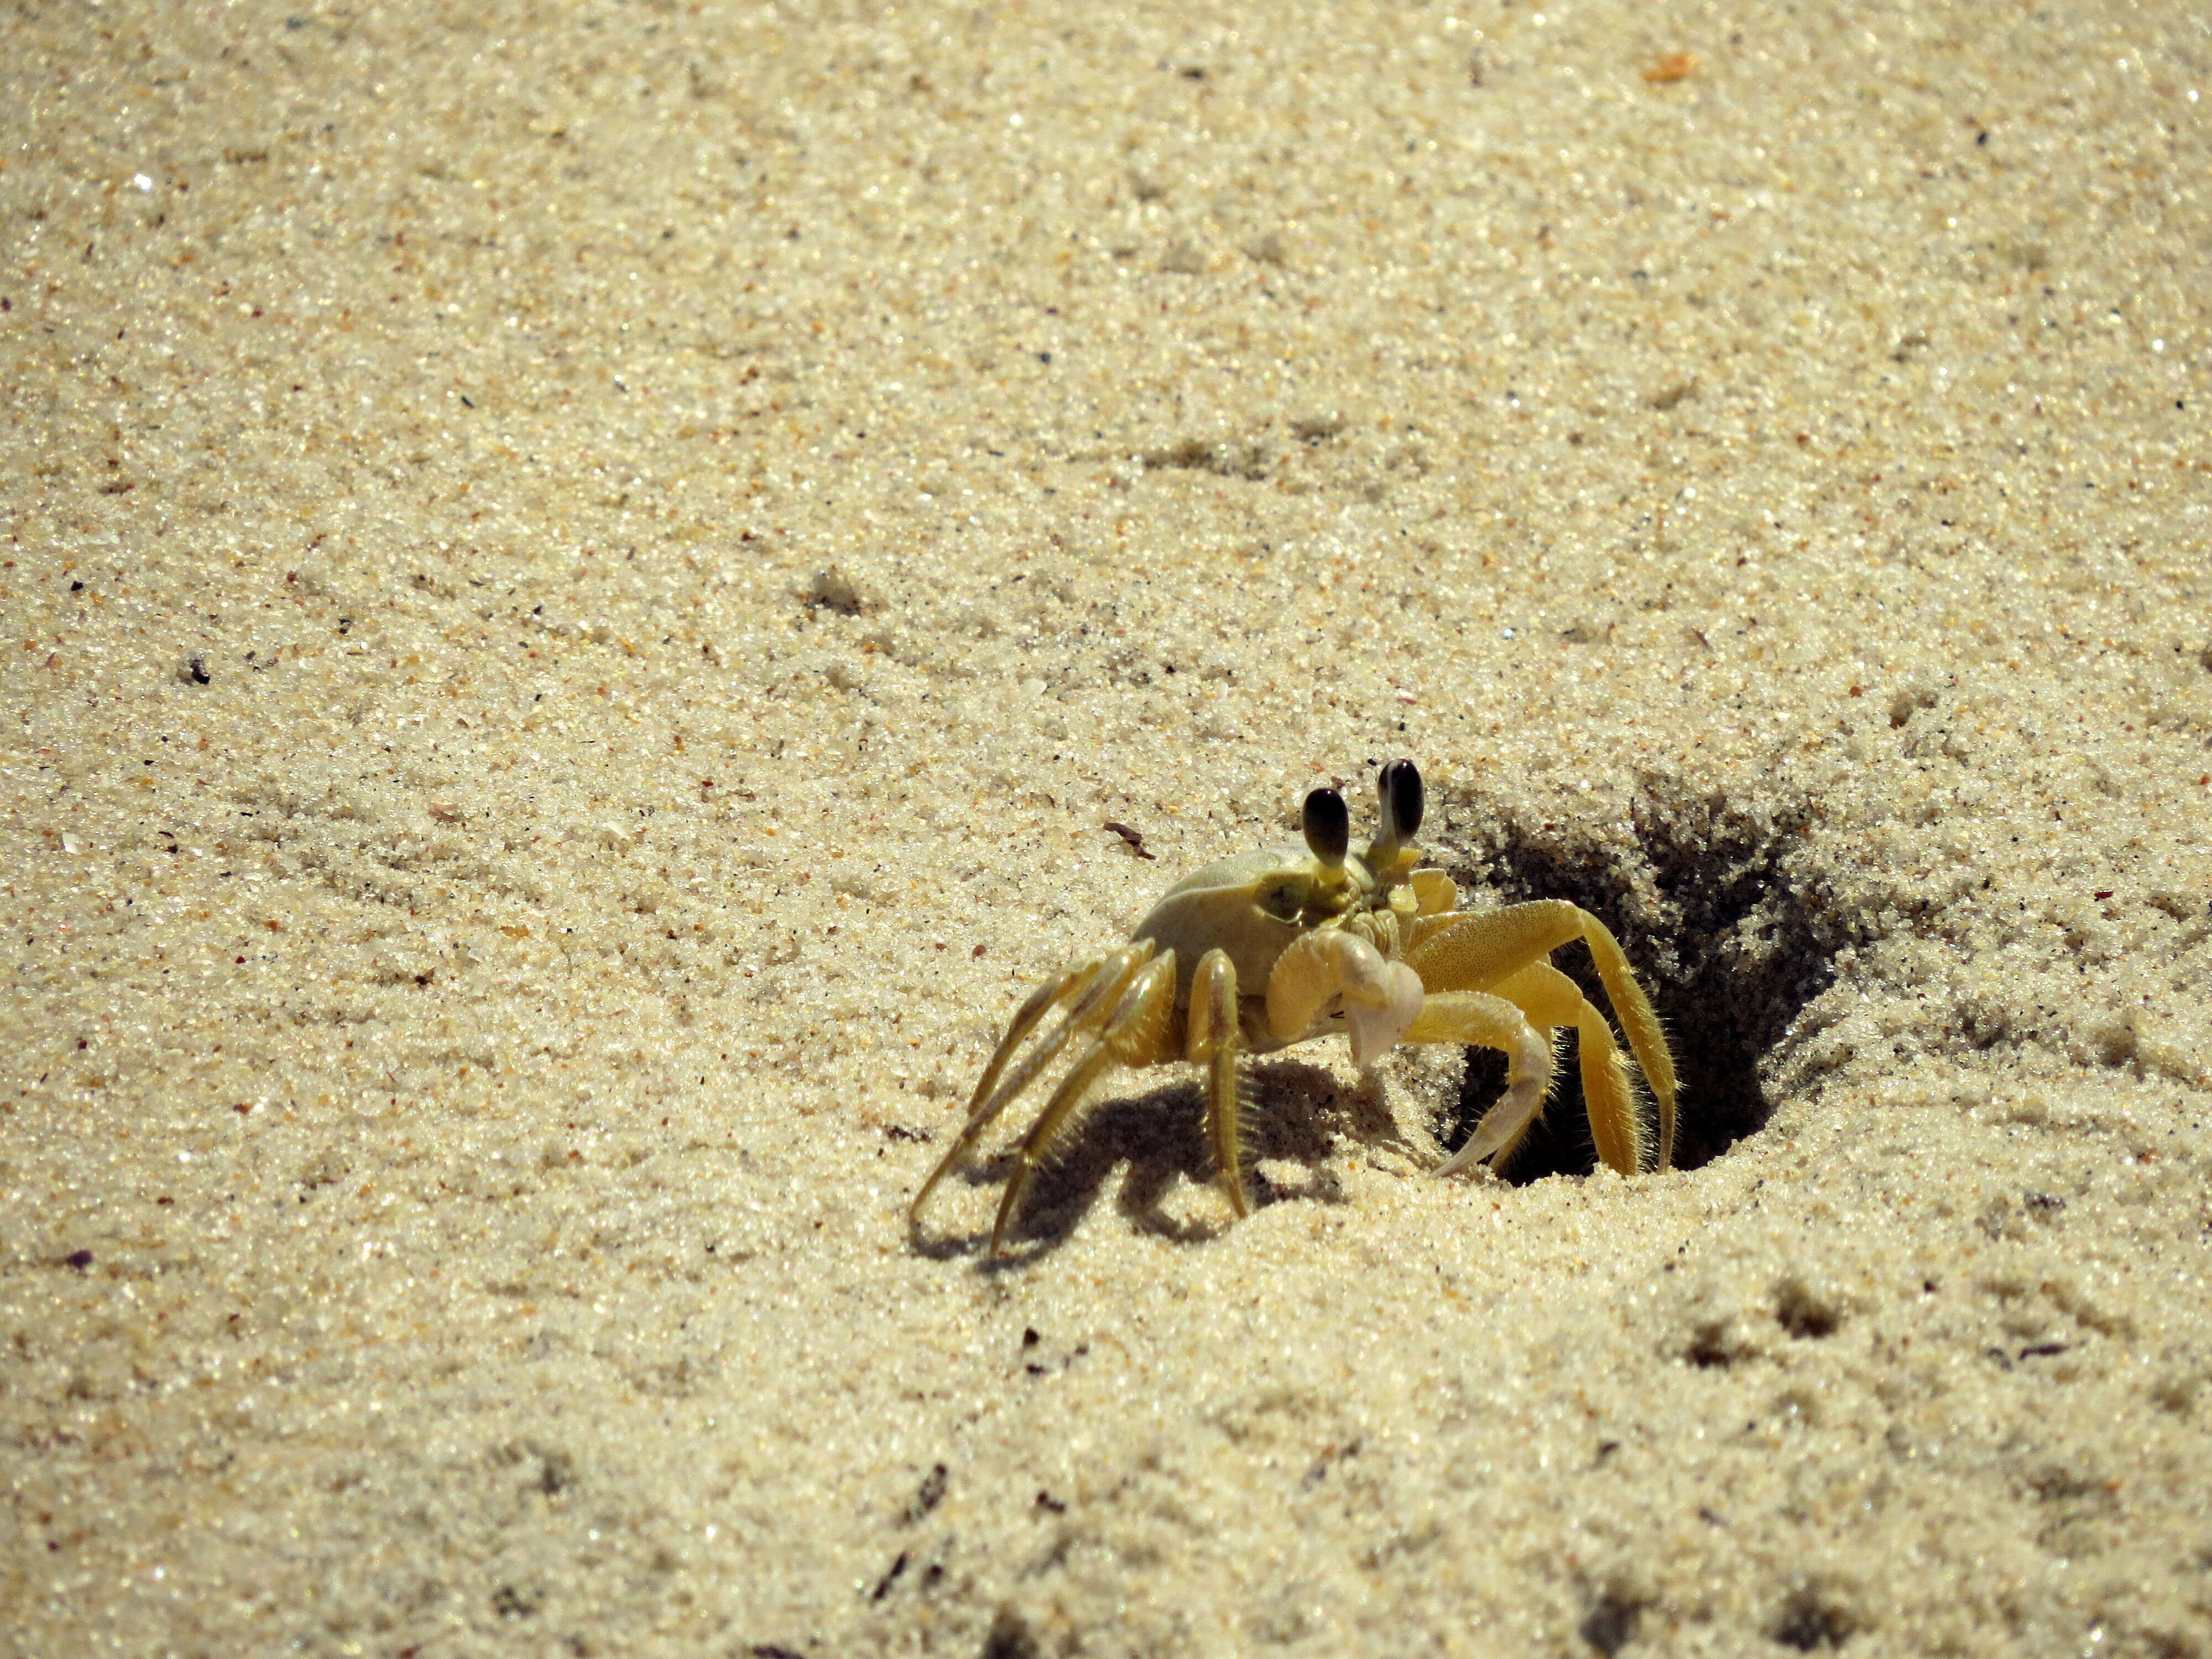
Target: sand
(584, 582)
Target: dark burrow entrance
(1726, 923)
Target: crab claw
(1379, 998)
(1380, 1005)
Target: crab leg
(1491, 1022)
(1551, 1000)
(1131, 1036)
(1214, 1041)
(1089, 987)
(1478, 952)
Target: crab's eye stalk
(1328, 828)
(1399, 785)
(1402, 799)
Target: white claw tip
(1376, 1027)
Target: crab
(1287, 944)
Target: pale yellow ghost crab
(1275, 947)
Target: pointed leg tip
(1454, 1164)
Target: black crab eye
(1327, 826)
(1402, 799)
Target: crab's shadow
(1293, 1113)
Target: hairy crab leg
(1491, 1022)
(1551, 1000)
(1089, 987)
(1476, 952)
(1214, 1040)
(1132, 1035)
(1640, 1022)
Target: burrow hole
(1725, 923)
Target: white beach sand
(582, 581)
